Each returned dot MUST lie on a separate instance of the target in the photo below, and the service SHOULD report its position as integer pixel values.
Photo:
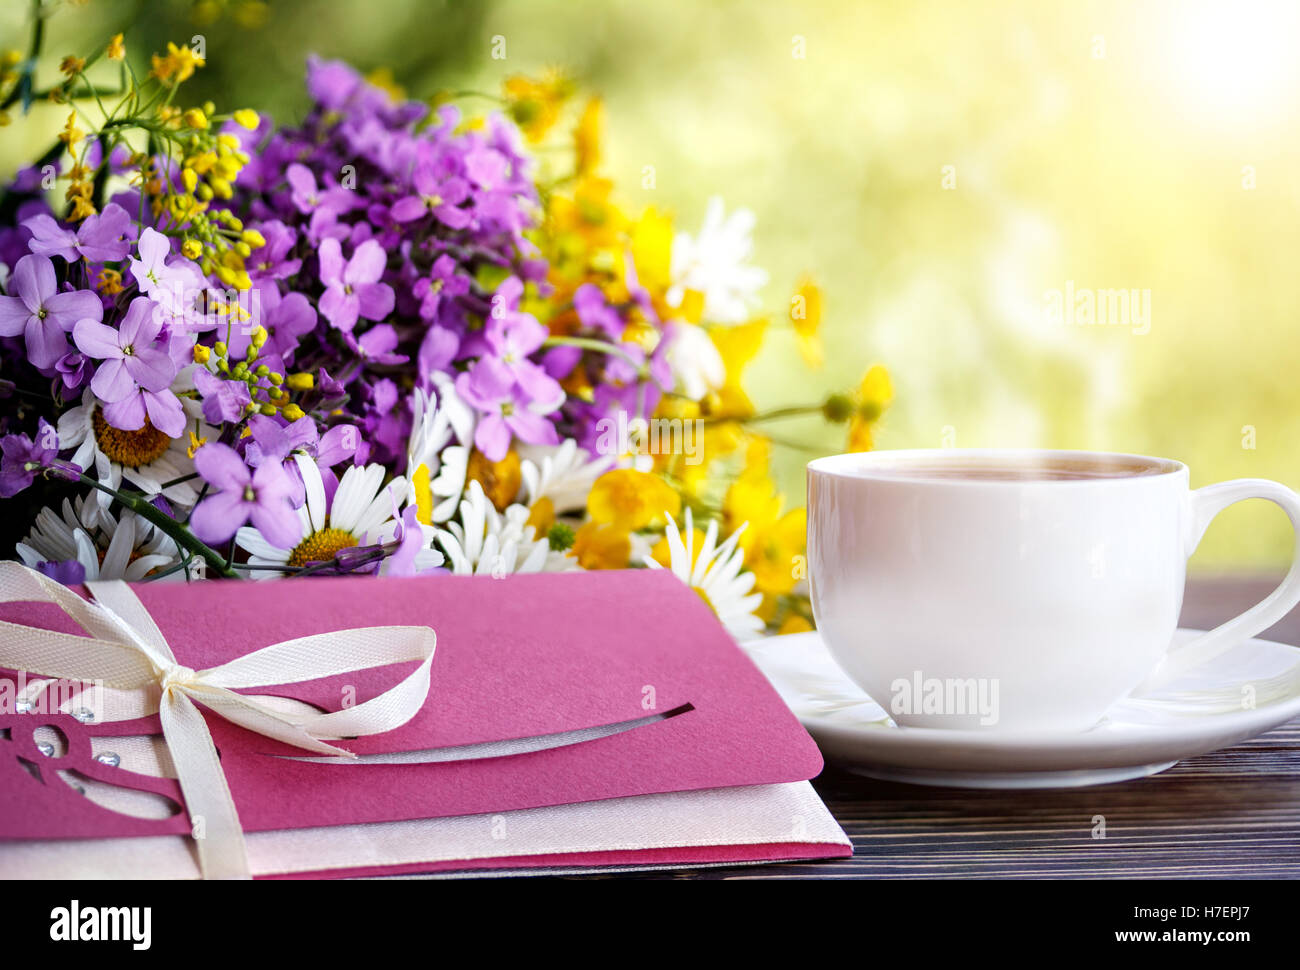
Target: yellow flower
(600, 546)
(110, 282)
(81, 208)
(806, 316)
(873, 396)
(541, 516)
(116, 49)
(795, 623)
(247, 118)
(179, 65)
(629, 500)
(652, 248)
(737, 347)
(195, 118)
(71, 134)
(382, 78)
(535, 104)
(500, 479)
(72, 66)
(773, 542)
(586, 137)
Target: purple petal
(151, 369)
(67, 308)
(112, 382)
(46, 342)
(374, 300)
(221, 467)
(165, 412)
(339, 308)
(51, 239)
(367, 264)
(541, 387)
(336, 444)
(218, 517)
(127, 414)
(532, 428)
(96, 340)
(331, 262)
(408, 209)
(13, 316)
(34, 281)
(492, 437)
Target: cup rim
(859, 465)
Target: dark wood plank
(1229, 814)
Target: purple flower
(105, 237)
(260, 496)
(176, 285)
(375, 346)
(595, 313)
(441, 197)
(41, 313)
(133, 358)
(75, 370)
(512, 336)
(352, 289)
(162, 408)
(23, 457)
(223, 400)
(442, 282)
(287, 320)
(272, 260)
(309, 198)
(69, 572)
(274, 442)
(490, 387)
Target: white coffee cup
(1015, 590)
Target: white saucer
(1203, 711)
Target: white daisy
(127, 548)
(361, 513)
(488, 542)
(696, 364)
(146, 458)
(435, 466)
(715, 263)
(563, 473)
(717, 574)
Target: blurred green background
(939, 167)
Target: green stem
(591, 343)
(155, 516)
(790, 412)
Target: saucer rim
(1100, 747)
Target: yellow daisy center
(131, 449)
(320, 546)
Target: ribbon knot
(177, 675)
(127, 652)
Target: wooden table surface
(1232, 814)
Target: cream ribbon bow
(126, 651)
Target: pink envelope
(517, 658)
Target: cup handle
(1206, 503)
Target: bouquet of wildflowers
(381, 340)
